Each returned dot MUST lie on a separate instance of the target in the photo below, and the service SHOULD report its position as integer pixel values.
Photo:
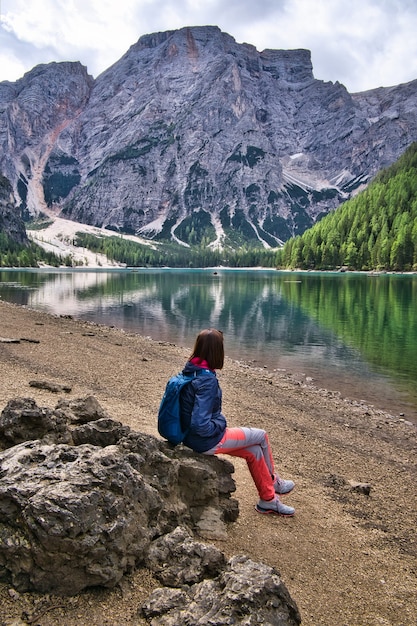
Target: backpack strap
(205, 371)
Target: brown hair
(209, 347)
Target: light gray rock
(23, 420)
(71, 517)
(82, 410)
(48, 386)
(176, 559)
(100, 432)
(245, 592)
(359, 487)
(74, 516)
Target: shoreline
(115, 267)
(367, 383)
(345, 557)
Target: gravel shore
(347, 558)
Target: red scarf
(201, 363)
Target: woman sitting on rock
(207, 430)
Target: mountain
(375, 230)
(193, 137)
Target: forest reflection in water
(355, 333)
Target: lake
(349, 332)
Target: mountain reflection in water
(354, 333)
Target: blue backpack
(169, 417)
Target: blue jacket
(201, 410)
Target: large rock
(176, 559)
(202, 589)
(85, 512)
(23, 420)
(72, 516)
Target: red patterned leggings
(252, 445)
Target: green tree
(377, 229)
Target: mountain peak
(195, 137)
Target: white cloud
(361, 43)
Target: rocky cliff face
(34, 113)
(10, 221)
(192, 135)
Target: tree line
(13, 254)
(375, 230)
(133, 254)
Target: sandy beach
(347, 559)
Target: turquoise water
(349, 332)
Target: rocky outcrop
(84, 499)
(202, 589)
(34, 114)
(11, 223)
(191, 136)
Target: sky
(363, 44)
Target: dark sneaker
(282, 486)
(274, 507)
